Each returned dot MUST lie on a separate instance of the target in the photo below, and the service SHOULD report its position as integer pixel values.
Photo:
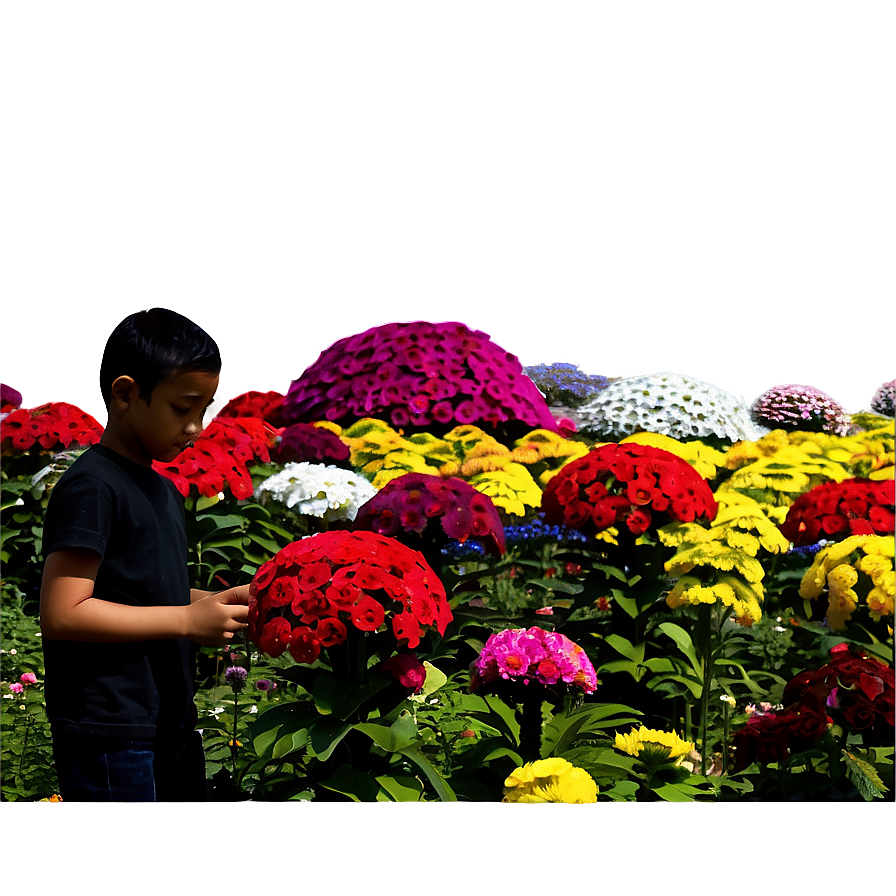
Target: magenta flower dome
(420, 376)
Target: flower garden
(476, 582)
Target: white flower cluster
(670, 404)
(320, 490)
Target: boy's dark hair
(152, 346)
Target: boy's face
(172, 419)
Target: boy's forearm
(92, 619)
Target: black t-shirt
(134, 519)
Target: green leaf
(441, 786)
(864, 776)
(222, 520)
(626, 648)
(326, 733)
(678, 793)
(684, 643)
(498, 715)
(399, 789)
(392, 738)
(354, 784)
(272, 724)
(628, 604)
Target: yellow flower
(551, 780)
(668, 742)
(837, 567)
(511, 489)
(842, 599)
(704, 459)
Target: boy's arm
(70, 612)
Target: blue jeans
(112, 769)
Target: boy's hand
(215, 618)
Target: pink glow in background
(684, 188)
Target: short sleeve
(79, 516)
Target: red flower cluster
(857, 689)
(219, 459)
(304, 442)
(772, 737)
(836, 510)
(413, 503)
(626, 484)
(262, 405)
(305, 598)
(50, 426)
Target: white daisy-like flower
(670, 404)
(319, 490)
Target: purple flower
(8, 395)
(794, 407)
(884, 399)
(264, 684)
(235, 676)
(428, 376)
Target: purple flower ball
(793, 407)
(884, 399)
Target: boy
(116, 609)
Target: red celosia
(629, 485)
(49, 427)
(836, 510)
(306, 596)
(418, 504)
(219, 459)
(264, 406)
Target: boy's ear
(124, 390)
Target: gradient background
(705, 188)
(634, 188)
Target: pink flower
(16, 688)
(407, 670)
(28, 678)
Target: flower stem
(705, 635)
(233, 746)
(530, 727)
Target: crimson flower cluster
(418, 374)
(303, 442)
(626, 484)
(265, 406)
(419, 504)
(309, 593)
(219, 459)
(835, 510)
(50, 426)
(857, 690)
(532, 657)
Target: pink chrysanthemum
(533, 656)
